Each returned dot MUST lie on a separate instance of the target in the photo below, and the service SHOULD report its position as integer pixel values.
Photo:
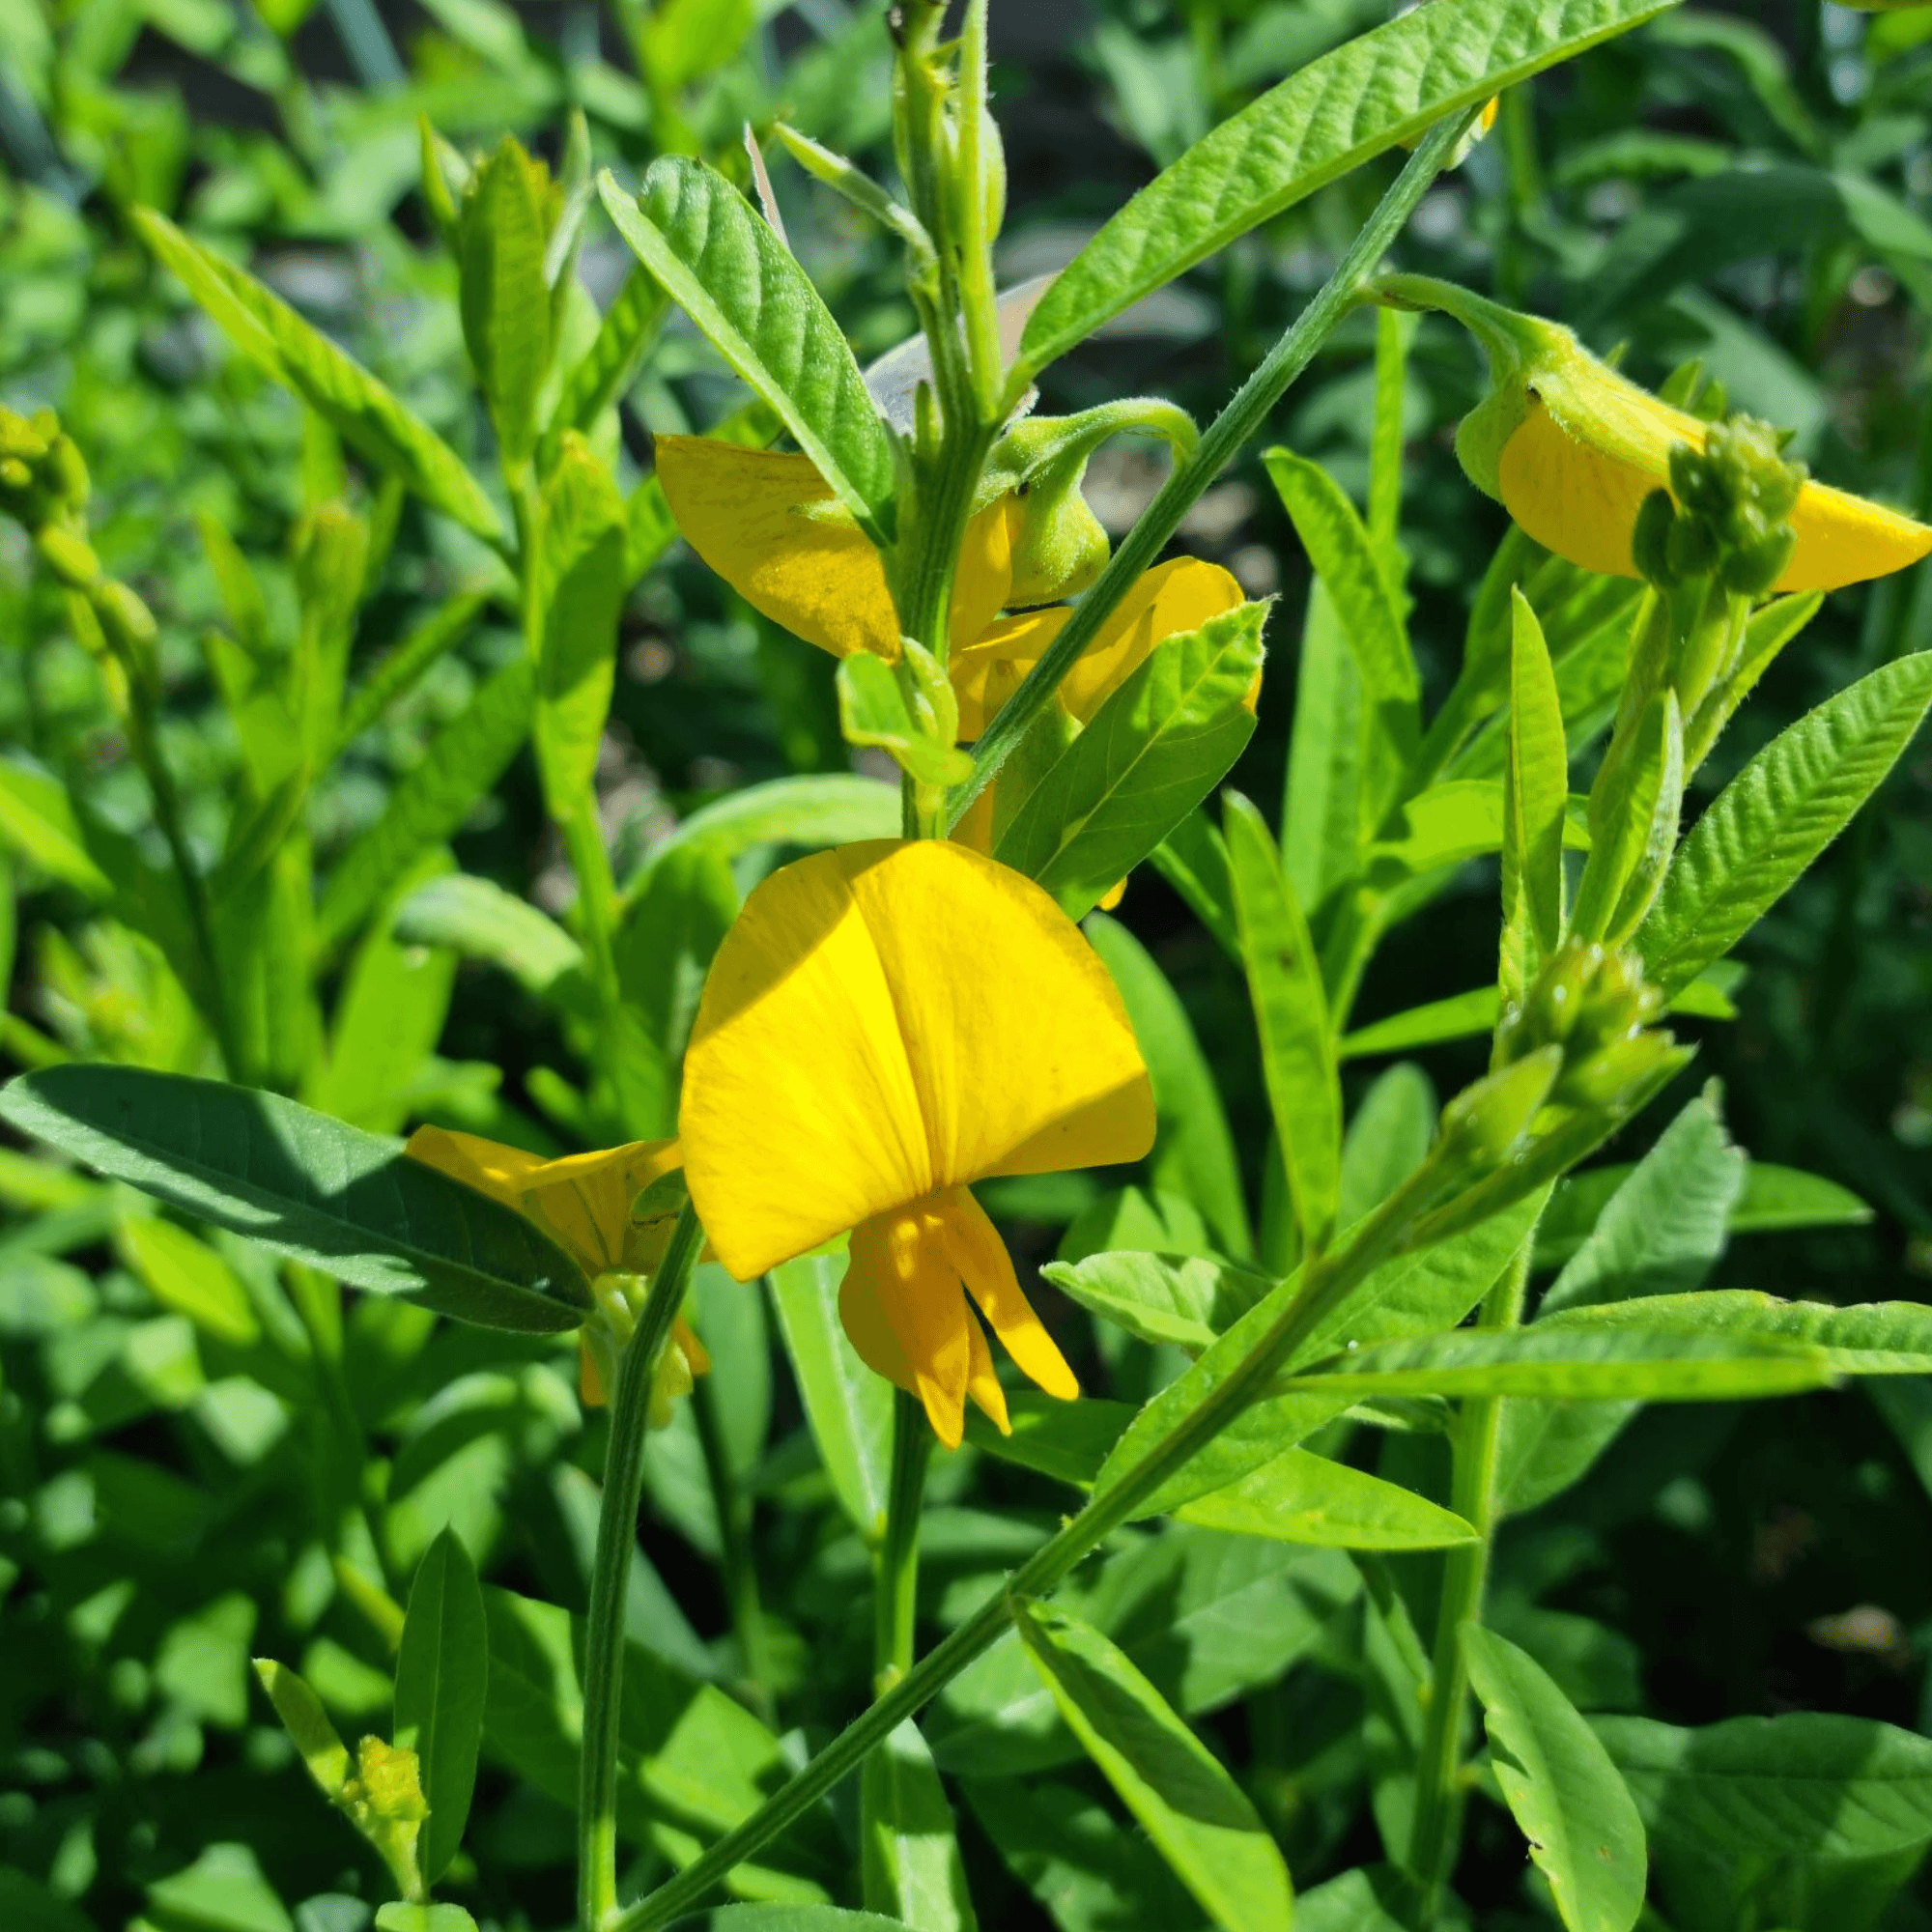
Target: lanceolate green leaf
(1777, 815)
(1301, 1497)
(1538, 789)
(1148, 756)
(304, 1186)
(580, 586)
(1874, 1338)
(1185, 1801)
(1345, 559)
(1383, 87)
(1562, 1787)
(1194, 1146)
(434, 798)
(739, 283)
(284, 347)
(1633, 812)
(442, 1674)
(501, 233)
(1292, 1016)
(911, 1855)
(1575, 1360)
(1806, 1785)
(1322, 807)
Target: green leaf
(1302, 1497)
(1188, 1805)
(874, 709)
(1193, 859)
(746, 292)
(1454, 821)
(849, 1408)
(606, 369)
(1068, 1850)
(396, 1917)
(1562, 1788)
(910, 1853)
(1322, 807)
(1194, 1148)
(365, 413)
(1381, 88)
(442, 1669)
(400, 668)
(322, 1752)
(1461, 1017)
(1151, 753)
(1419, 1293)
(478, 919)
(1184, 1299)
(1635, 807)
(1872, 1338)
(830, 809)
(1806, 1785)
(502, 231)
(1291, 1017)
(1369, 613)
(1662, 1230)
(1777, 815)
(580, 586)
(1388, 1141)
(430, 803)
(1538, 794)
(1775, 1200)
(189, 1277)
(37, 822)
(1575, 1361)
(307, 1187)
(787, 1919)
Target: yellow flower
(768, 526)
(584, 1203)
(885, 1025)
(1572, 450)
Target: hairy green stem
(611, 1576)
(1223, 440)
(732, 1509)
(1438, 1828)
(1329, 1280)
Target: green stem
(1438, 1829)
(897, 1572)
(1328, 1280)
(1225, 439)
(733, 1511)
(611, 1576)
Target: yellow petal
(983, 1381)
(1176, 596)
(1575, 486)
(901, 1265)
(887, 1020)
(743, 512)
(582, 1202)
(769, 525)
(976, 1249)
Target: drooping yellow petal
(980, 1255)
(1576, 480)
(770, 525)
(1176, 596)
(887, 1020)
(898, 1263)
(581, 1201)
(982, 1381)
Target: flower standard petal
(770, 525)
(887, 1020)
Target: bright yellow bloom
(1572, 450)
(584, 1203)
(885, 1025)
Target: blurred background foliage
(1749, 188)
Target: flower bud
(69, 556)
(126, 620)
(1650, 541)
(1482, 1125)
(1609, 1076)
(1753, 571)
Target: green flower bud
(1650, 541)
(69, 556)
(1754, 570)
(1607, 1077)
(129, 623)
(1482, 1125)
(68, 472)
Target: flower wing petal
(745, 512)
(987, 1269)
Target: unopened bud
(1607, 1077)
(1483, 1123)
(127, 621)
(69, 556)
(1650, 540)
(1753, 571)
(69, 470)
(15, 475)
